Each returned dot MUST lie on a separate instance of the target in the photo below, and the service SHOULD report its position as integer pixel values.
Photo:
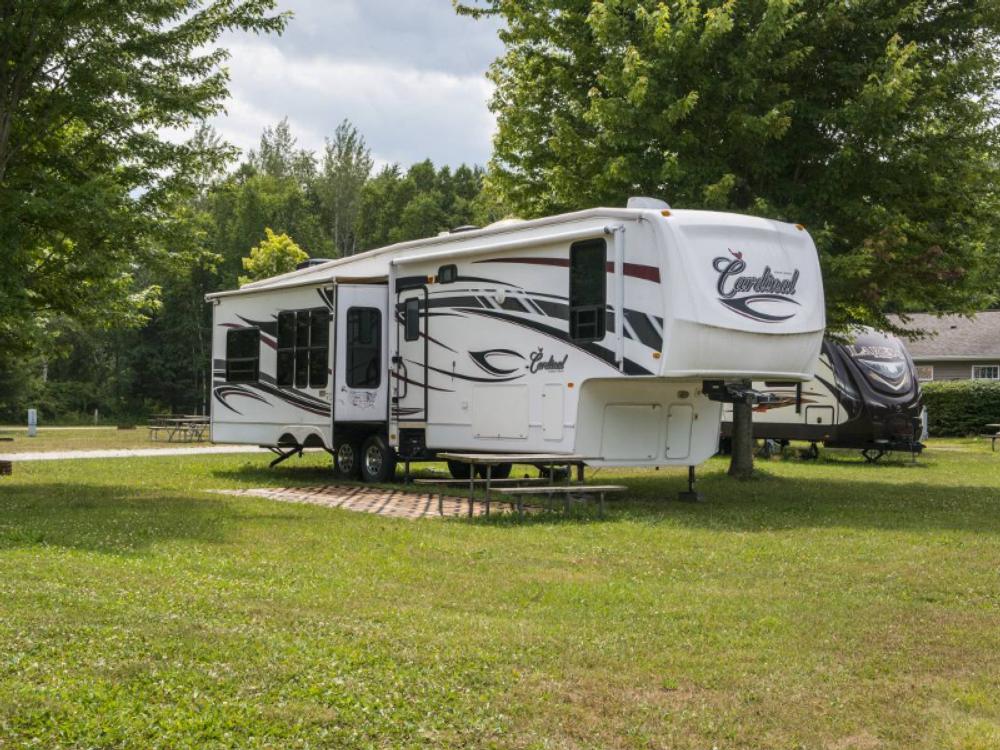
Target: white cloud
(410, 75)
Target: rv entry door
(361, 380)
(410, 392)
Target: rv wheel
(499, 471)
(459, 470)
(345, 458)
(378, 460)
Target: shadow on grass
(768, 502)
(112, 519)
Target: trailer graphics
(865, 396)
(591, 333)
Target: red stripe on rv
(636, 270)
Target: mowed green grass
(54, 439)
(826, 604)
(76, 438)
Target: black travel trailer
(865, 396)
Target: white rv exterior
(589, 333)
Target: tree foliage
(88, 176)
(873, 123)
(276, 254)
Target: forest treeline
(332, 203)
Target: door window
(364, 347)
(411, 319)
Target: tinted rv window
(587, 290)
(304, 348)
(319, 344)
(411, 319)
(364, 347)
(242, 355)
(286, 348)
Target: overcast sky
(410, 74)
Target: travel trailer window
(319, 337)
(364, 347)
(447, 274)
(286, 348)
(587, 290)
(303, 348)
(411, 319)
(242, 355)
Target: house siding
(949, 370)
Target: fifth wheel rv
(865, 396)
(614, 334)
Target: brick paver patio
(384, 502)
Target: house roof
(953, 336)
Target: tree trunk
(741, 461)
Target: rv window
(411, 319)
(364, 347)
(242, 355)
(286, 348)
(319, 343)
(587, 290)
(447, 274)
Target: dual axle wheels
(372, 459)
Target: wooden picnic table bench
(185, 429)
(569, 493)
(489, 460)
(993, 436)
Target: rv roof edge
(580, 234)
(496, 228)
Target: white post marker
(32, 422)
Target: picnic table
(489, 460)
(994, 435)
(184, 428)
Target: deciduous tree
(89, 173)
(875, 124)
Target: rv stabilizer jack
(735, 393)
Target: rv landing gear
(284, 455)
(872, 454)
(811, 453)
(691, 495)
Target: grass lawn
(79, 438)
(827, 604)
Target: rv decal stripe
(644, 329)
(599, 352)
(635, 270)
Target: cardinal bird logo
(736, 254)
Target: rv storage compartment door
(361, 383)
(631, 432)
(500, 411)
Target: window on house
(364, 347)
(303, 348)
(925, 373)
(243, 355)
(986, 372)
(588, 290)
(411, 319)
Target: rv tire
(347, 459)
(459, 470)
(378, 460)
(499, 471)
